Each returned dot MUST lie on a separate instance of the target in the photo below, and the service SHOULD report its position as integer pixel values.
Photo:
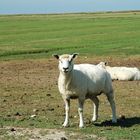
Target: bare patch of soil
(42, 134)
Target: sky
(65, 6)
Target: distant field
(30, 104)
(34, 36)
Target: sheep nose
(65, 69)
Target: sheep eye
(70, 62)
(61, 61)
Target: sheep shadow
(122, 122)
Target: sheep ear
(74, 55)
(106, 63)
(56, 56)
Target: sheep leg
(96, 106)
(67, 108)
(80, 111)
(113, 107)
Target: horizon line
(63, 13)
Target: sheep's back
(122, 73)
(92, 77)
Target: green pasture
(28, 82)
(34, 36)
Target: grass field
(94, 34)
(28, 74)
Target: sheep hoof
(65, 125)
(114, 121)
(81, 126)
(93, 120)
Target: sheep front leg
(67, 108)
(80, 111)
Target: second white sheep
(122, 73)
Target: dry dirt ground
(28, 86)
(43, 134)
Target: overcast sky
(62, 6)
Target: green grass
(31, 84)
(94, 34)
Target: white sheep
(122, 73)
(83, 81)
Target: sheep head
(65, 62)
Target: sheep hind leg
(67, 108)
(96, 106)
(110, 98)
